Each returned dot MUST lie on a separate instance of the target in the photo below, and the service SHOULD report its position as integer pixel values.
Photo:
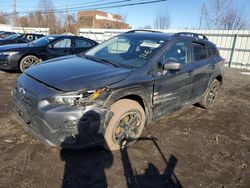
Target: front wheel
(28, 61)
(126, 124)
(211, 95)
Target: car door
(60, 47)
(203, 67)
(81, 45)
(172, 88)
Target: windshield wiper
(110, 62)
(101, 60)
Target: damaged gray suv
(110, 93)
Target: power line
(97, 6)
(63, 6)
(85, 6)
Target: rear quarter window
(213, 51)
(199, 51)
(81, 43)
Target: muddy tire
(28, 61)
(127, 123)
(211, 95)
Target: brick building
(100, 19)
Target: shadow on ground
(86, 168)
(151, 176)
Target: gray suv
(109, 94)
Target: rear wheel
(210, 95)
(28, 61)
(126, 124)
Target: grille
(25, 98)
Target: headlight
(9, 53)
(65, 99)
(84, 98)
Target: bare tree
(122, 17)
(162, 19)
(223, 14)
(24, 21)
(4, 18)
(70, 24)
(146, 27)
(47, 9)
(234, 20)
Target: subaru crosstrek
(112, 91)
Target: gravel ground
(193, 147)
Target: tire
(211, 95)
(125, 111)
(27, 62)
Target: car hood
(13, 47)
(73, 73)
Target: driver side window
(64, 43)
(178, 52)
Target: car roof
(160, 35)
(60, 35)
(56, 36)
(64, 35)
(152, 35)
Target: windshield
(129, 50)
(43, 41)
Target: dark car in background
(22, 56)
(4, 34)
(19, 38)
(111, 92)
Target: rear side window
(199, 51)
(81, 43)
(31, 37)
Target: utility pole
(14, 18)
(202, 12)
(66, 20)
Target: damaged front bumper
(61, 125)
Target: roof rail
(188, 34)
(142, 30)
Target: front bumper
(9, 62)
(57, 125)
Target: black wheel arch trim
(136, 93)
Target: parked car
(4, 34)
(19, 38)
(112, 91)
(22, 56)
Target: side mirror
(172, 66)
